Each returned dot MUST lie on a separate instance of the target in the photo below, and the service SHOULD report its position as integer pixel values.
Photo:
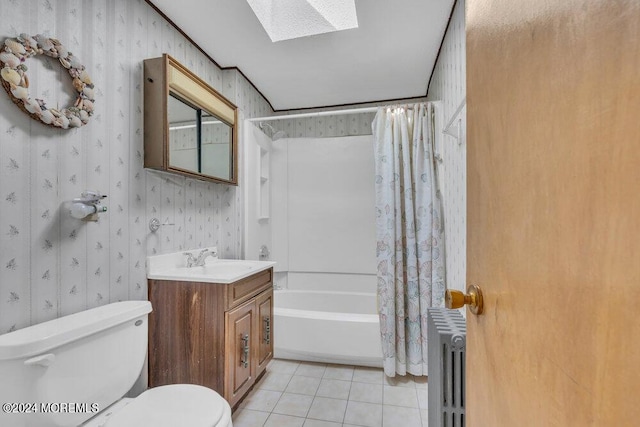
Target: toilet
(75, 370)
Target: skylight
(291, 19)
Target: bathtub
(327, 326)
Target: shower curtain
(410, 234)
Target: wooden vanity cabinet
(216, 335)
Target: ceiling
(389, 56)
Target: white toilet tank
(64, 371)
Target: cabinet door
(264, 341)
(240, 369)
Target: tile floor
(303, 394)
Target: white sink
(173, 267)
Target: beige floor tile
(423, 398)
(335, 389)
(318, 423)
(395, 416)
(261, 400)
(400, 381)
(400, 396)
(425, 418)
(362, 392)
(327, 409)
(278, 420)
(303, 385)
(274, 381)
(364, 414)
(368, 375)
(329, 395)
(339, 372)
(310, 369)
(420, 380)
(282, 366)
(249, 418)
(293, 404)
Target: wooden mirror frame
(163, 76)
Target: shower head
(273, 134)
(278, 135)
(265, 126)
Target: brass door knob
(473, 298)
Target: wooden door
(240, 368)
(264, 328)
(553, 102)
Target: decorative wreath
(15, 81)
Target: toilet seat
(174, 405)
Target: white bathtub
(327, 326)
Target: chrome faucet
(193, 261)
(203, 255)
(190, 259)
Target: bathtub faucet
(264, 252)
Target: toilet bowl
(87, 362)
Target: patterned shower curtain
(410, 235)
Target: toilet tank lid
(45, 336)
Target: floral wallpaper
(325, 126)
(50, 263)
(449, 86)
(331, 125)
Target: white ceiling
(389, 56)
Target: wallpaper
(449, 86)
(333, 125)
(325, 126)
(51, 264)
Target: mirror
(216, 144)
(189, 127)
(183, 135)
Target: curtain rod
(316, 114)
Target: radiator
(447, 333)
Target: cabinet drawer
(245, 289)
